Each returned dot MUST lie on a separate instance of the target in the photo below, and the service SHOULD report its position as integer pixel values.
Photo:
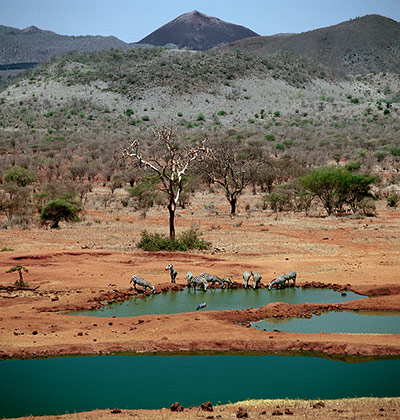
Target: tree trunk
(171, 209)
(232, 202)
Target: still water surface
(336, 322)
(218, 299)
(68, 384)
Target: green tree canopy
(57, 210)
(20, 176)
(336, 187)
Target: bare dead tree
(170, 168)
(232, 166)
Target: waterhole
(336, 322)
(68, 384)
(187, 300)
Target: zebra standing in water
(173, 273)
(196, 281)
(211, 278)
(141, 282)
(256, 279)
(246, 278)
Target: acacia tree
(170, 166)
(337, 186)
(19, 268)
(232, 166)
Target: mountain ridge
(357, 46)
(37, 45)
(362, 45)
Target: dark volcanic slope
(197, 31)
(362, 45)
(33, 45)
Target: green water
(69, 384)
(217, 299)
(336, 322)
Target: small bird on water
(201, 306)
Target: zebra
(227, 280)
(141, 282)
(211, 278)
(246, 278)
(256, 279)
(173, 273)
(291, 276)
(278, 282)
(196, 281)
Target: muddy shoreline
(38, 332)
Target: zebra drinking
(196, 281)
(256, 279)
(211, 278)
(291, 276)
(173, 273)
(141, 282)
(246, 278)
(227, 280)
(279, 282)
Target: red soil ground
(79, 265)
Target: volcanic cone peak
(197, 31)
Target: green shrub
(189, 239)
(393, 200)
(222, 112)
(279, 146)
(380, 155)
(270, 137)
(288, 142)
(394, 150)
(353, 165)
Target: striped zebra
(291, 276)
(227, 280)
(173, 273)
(256, 279)
(279, 282)
(196, 281)
(246, 278)
(141, 282)
(211, 278)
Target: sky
(132, 20)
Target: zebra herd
(204, 279)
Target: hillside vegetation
(282, 114)
(287, 102)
